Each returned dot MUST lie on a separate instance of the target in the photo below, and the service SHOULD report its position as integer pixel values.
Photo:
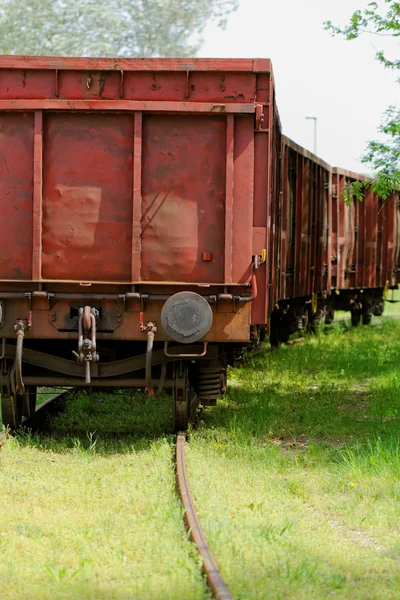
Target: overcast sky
(337, 81)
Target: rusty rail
(214, 577)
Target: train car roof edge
(254, 65)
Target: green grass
(296, 475)
(297, 471)
(90, 510)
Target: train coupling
(87, 339)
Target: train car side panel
(16, 195)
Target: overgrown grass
(295, 474)
(297, 471)
(90, 510)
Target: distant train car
(301, 271)
(365, 249)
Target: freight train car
(301, 249)
(365, 249)
(154, 222)
(135, 200)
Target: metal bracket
(259, 116)
(172, 355)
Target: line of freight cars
(154, 223)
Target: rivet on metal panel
(207, 256)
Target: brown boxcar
(365, 248)
(300, 252)
(135, 199)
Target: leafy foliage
(382, 19)
(108, 27)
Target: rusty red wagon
(135, 198)
(154, 224)
(365, 249)
(301, 245)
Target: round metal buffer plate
(186, 317)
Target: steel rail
(214, 577)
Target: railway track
(215, 580)
(210, 567)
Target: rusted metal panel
(259, 237)
(87, 197)
(184, 188)
(291, 219)
(388, 241)
(23, 84)
(137, 198)
(284, 201)
(37, 197)
(381, 244)
(262, 218)
(360, 245)
(264, 197)
(16, 194)
(89, 85)
(305, 229)
(228, 325)
(299, 218)
(313, 231)
(396, 260)
(304, 255)
(371, 214)
(243, 200)
(334, 234)
(328, 251)
(166, 86)
(230, 132)
(367, 237)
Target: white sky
(337, 81)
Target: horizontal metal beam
(111, 369)
(74, 382)
(255, 65)
(128, 105)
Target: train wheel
(355, 317)
(184, 400)
(274, 337)
(29, 402)
(366, 318)
(11, 410)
